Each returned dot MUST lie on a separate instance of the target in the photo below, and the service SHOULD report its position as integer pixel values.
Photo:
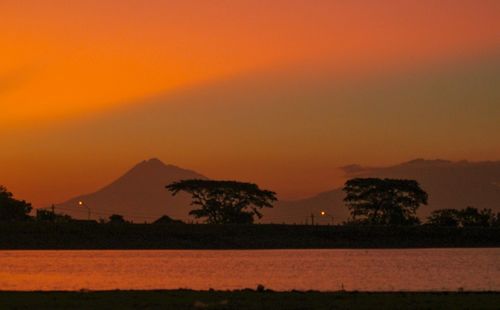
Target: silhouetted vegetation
(468, 217)
(446, 228)
(12, 209)
(43, 215)
(116, 219)
(224, 202)
(384, 201)
(444, 217)
(92, 235)
(248, 299)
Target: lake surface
(325, 270)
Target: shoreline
(93, 236)
(247, 299)
(258, 290)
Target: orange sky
(277, 92)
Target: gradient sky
(277, 92)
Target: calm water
(373, 270)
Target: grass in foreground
(247, 299)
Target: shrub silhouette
(116, 219)
(50, 216)
(12, 209)
(468, 217)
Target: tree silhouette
(50, 216)
(471, 216)
(117, 219)
(384, 201)
(496, 220)
(467, 217)
(225, 201)
(12, 209)
(445, 217)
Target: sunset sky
(279, 92)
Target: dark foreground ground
(36, 235)
(245, 299)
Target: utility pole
(323, 213)
(82, 204)
(312, 219)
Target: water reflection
(326, 270)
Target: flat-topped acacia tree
(224, 202)
(384, 201)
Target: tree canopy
(225, 201)
(43, 215)
(444, 217)
(12, 209)
(467, 217)
(384, 201)
(116, 219)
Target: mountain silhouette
(138, 195)
(300, 211)
(449, 185)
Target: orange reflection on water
(325, 270)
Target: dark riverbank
(33, 235)
(246, 299)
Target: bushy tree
(222, 202)
(12, 209)
(116, 219)
(496, 220)
(468, 217)
(384, 201)
(471, 216)
(50, 216)
(445, 217)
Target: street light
(82, 204)
(323, 213)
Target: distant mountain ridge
(449, 185)
(140, 194)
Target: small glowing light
(80, 203)
(323, 213)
